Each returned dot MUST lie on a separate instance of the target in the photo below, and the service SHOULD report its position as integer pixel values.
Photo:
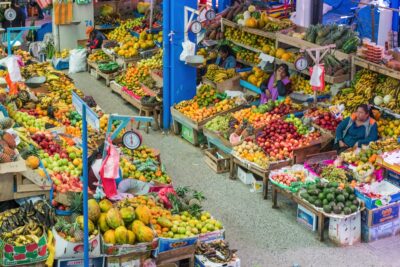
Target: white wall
(66, 36)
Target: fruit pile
(63, 54)
(278, 139)
(205, 95)
(324, 119)
(98, 56)
(298, 123)
(331, 198)
(284, 178)
(335, 174)
(247, 55)
(255, 77)
(122, 31)
(220, 123)
(131, 46)
(300, 84)
(217, 74)
(242, 37)
(250, 151)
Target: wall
(66, 36)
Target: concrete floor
(262, 235)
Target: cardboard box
(384, 186)
(307, 218)
(66, 249)
(345, 231)
(381, 215)
(167, 244)
(212, 236)
(232, 84)
(370, 234)
(131, 259)
(24, 255)
(93, 262)
(393, 177)
(15, 166)
(245, 177)
(201, 261)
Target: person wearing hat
(96, 38)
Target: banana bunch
(350, 100)
(388, 144)
(23, 235)
(365, 85)
(217, 74)
(45, 101)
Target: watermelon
(351, 45)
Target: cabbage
(378, 100)
(387, 99)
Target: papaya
(121, 235)
(128, 215)
(94, 210)
(109, 237)
(79, 220)
(145, 234)
(143, 214)
(102, 223)
(136, 225)
(114, 218)
(164, 222)
(130, 237)
(105, 205)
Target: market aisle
(263, 236)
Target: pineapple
(6, 123)
(4, 158)
(77, 203)
(9, 152)
(9, 139)
(59, 226)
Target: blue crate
(60, 63)
(250, 86)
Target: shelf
(246, 63)
(379, 68)
(245, 46)
(270, 35)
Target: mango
(105, 205)
(136, 225)
(145, 234)
(121, 235)
(94, 210)
(131, 237)
(109, 237)
(128, 215)
(114, 218)
(143, 214)
(102, 223)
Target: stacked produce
(324, 119)
(131, 46)
(256, 76)
(343, 37)
(217, 252)
(301, 84)
(291, 178)
(250, 151)
(122, 31)
(217, 74)
(242, 37)
(98, 56)
(331, 198)
(247, 55)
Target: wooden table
(177, 255)
(294, 197)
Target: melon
(105, 205)
(378, 100)
(109, 237)
(102, 223)
(387, 99)
(128, 214)
(121, 235)
(114, 218)
(130, 237)
(145, 234)
(94, 210)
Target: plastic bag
(13, 67)
(188, 50)
(109, 170)
(77, 60)
(317, 80)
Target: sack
(109, 170)
(188, 50)
(77, 60)
(62, 12)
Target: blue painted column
(181, 83)
(223, 4)
(395, 18)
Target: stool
(149, 112)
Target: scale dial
(210, 14)
(132, 140)
(195, 27)
(10, 14)
(301, 64)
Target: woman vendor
(357, 130)
(226, 59)
(277, 85)
(96, 38)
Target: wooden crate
(217, 160)
(176, 255)
(108, 77)
(217, 140)
(157, 77)
(124, 62)
(7, 187)
(131, 100)
(115, 87)
(91, 66)
(13, 167)
(25, 185)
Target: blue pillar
(181, 83)
(223, 4)
(166, 63)
(395, 18)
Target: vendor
(357, 130)
(226, 59)
(96, 38)
(277, 85)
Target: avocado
(353, 208)
(340, 198)
(321, 196)
(327, 208)
(352, 197)
(325, 202)
(345, 194)
(338, 191)
(312, 199)
(330, 197)
(334, 184)
(337, 210)
(355, 202)
(325, 190)
(348, 203)
(340, 204)
(312, 187)
(320, 186)
(349, 190)
(304, 195)
(347, 210)
(318, 203)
